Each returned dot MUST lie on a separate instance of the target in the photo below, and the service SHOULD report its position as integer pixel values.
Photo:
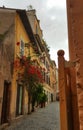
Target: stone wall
(6, 49)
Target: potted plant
(43, 99)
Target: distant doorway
(6, 102)
(51, 97)
(19, 102)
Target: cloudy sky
(53, 21)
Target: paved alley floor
(43, 119)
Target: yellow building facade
(16, 101)
(19, 94)
(49, 78)
(25, 38)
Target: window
(21, 48)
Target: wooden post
(62, 91)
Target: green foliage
(38, 94)
(46, 45)
(31, 75)
(43, 98)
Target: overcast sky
(53, 21)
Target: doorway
(19, 101)
(6, 102)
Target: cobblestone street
(43, 119)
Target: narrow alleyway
(43, 119)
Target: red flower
(18, 43)
(16, 63)
(33, 72)
(24, 58)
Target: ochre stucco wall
(20, 33)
